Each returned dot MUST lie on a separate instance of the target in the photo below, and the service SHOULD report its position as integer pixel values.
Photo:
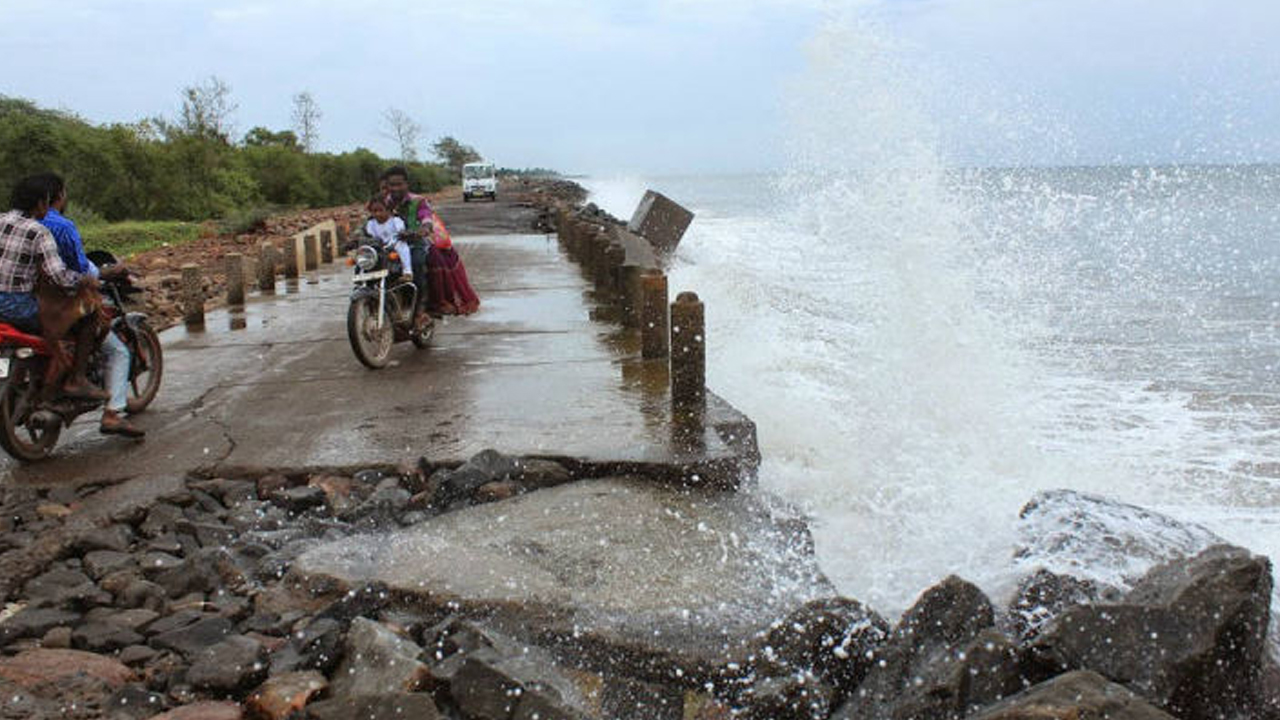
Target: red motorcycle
(29, 422)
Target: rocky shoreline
(513, 588)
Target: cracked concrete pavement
(532, 373)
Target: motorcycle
(383, 309)
(30, 422)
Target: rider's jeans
(117, 379)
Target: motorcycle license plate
(4, 368)
(362, 277)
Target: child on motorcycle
(388, 230)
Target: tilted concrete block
(661, 221)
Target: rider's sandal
(113, 424)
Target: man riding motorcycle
(87, 339)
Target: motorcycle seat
(10, 335)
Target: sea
(924, 349)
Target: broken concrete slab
(660, 580)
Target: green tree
(262, 137)
(454, 154)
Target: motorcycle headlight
(366, 258)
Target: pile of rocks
(181, 602)
(182, 609)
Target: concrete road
(531, 373)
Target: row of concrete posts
(628, 273)
(304, 252)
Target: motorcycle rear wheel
(371, 344)
(144, 386)
(17, 407)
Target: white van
(479, 180)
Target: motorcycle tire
(145, 383)
(371, 345)
(17, 399)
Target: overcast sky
(679, 85)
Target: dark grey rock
(193, 639)
(205, 571)
(235, 664)
(484, 467)
(103, 637)
(266, 624)
(373, 476)
(174, 621)
(364, 601)
(142, 594)
(155, 563)
(257, 517)
(799, 696)
(1190, 636)
(101, 563)
(535, 473)
(134, 702)
(65, 588)
(1044, 595)
(135, 655)
(161, 519)
(113, 537)
(832, 638)
(134, 619)
(230, 492)
(299, 499)
(380, 509)
(914, 674)
(208, 534)
(35, 622)
(58, 638)
(1079, 695)
(395, 706)
(377, 662)
(318, 646)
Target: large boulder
(1079, 695)
(1095, 538)
(834, 639)
(377, 662)
(1190, 636)
(942, 661)
(649, 580)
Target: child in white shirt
(386, 228)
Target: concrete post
(564, 229)
(629, 277)
(326, 247)
(654, 337)
(267, 268)
(311, 252)
(607, 267)
(235, 279)
(343, 224)
(688, 355)
(291, 258)
(192, 296)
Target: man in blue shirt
(71, 251)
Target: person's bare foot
(113, 424)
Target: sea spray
(925, 348)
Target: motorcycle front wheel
(148, 368)
(20, 434)
(371, 344)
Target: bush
(152, 171)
